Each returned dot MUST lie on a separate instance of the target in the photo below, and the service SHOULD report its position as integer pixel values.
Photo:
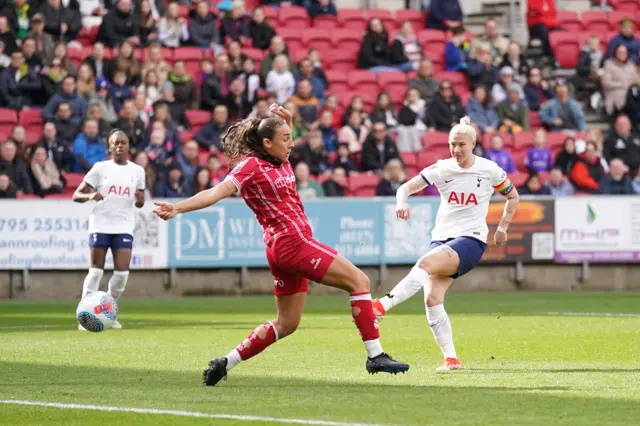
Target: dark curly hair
(244, 139)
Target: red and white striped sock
(262, 337)
(365, 319)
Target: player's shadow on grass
(372, 399)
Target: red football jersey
(270, 191)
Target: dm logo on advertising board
(199, 236)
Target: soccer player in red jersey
(266, 181)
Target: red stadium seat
(394, 83)
(409, 159)
(363, 184)
(197, 118)
(570, 21)
(323, 177)
(518, 160)
(353, 19)
(293, 38)
(188, 54)
(338, 82)
(555, 140)
(21, 196)
(253, 53)
(457, 79)
(362, 81)
(523, 141)
(332, 157)
(432, 41)
(384, 15)
(326, 22)
(317, 39)
(464, 97)
(632, 6)
(33, 135)
(543, 176)
(368, 98)
(30, 117)
(339, 60)
(75, 54)
(185, 137)
(412, 15)
(347, 40)
(595, 21)
(294, 17)
(73, 179)
(534, 120)
(565, 48)
(8, 119)
(433, 139)
(518, 178)
(271, 13)
(87, 35)
(616, 17)
(429, 157)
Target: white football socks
(92, 281)
(117, 283)
(441, 329)
(409, 286)
(233, 359)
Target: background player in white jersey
(466, 183)
(118, 185)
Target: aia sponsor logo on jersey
(282, 181)
(122, 191)
(461, 198)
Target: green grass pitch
(530, 358)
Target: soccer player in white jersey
(466, 183)
(118, 185)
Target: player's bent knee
(434, 299)
(361, 283)
(286, 327)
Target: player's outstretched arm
(82, 195)
(402, 196)
(513, 199)
(199, 201)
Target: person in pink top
(266, 182)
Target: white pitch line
(181, 413)
(593, 314)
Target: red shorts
(294, 260)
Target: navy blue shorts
(469, 249)
(110, 241)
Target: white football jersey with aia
(117, 183)
(465, 196)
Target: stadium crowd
(373, 95)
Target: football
(97, 311)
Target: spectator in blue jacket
(88, 148)
(210, 135)
(322, 8)
(616, 182)
(627, 38)
(482, 111)
(119, 91)
(537, 91)
(456, 53)
(562, 113)
(444, 15)
(68, 95)
(18, 83)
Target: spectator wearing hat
(173, 186)
(513, 113)
(44, 41)
(562, 112)
(499, 90)
(68, 95)
(102, 97)
(627, 38)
